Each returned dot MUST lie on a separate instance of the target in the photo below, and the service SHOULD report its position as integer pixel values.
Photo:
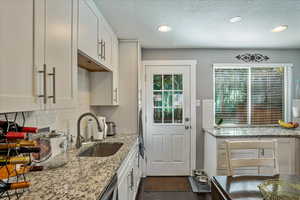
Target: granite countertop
(82, 177)
(253, 132)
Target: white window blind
(231, 95)
(267, 95)
(249, 95)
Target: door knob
(186, 127)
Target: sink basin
(101, 150)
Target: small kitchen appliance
(111, 128)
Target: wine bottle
(14, 170)
(19, 150)
(13, 135)
(21, 143)
(12, 186)
(35, 168)
(12, 126)
(14, 160)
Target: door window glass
(168, 98)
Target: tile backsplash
(207, 113)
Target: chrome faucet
(79, 138)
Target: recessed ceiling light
(235, 19)
(280, 28)
(164, 28)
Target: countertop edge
(211, 132)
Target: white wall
(207, 57)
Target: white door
(59, 53)
(168, 120)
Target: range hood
(90, 64)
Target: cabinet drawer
(241, 154)
(221, 142)
(223, 172)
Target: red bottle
(13, 135)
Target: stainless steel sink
(101, 150)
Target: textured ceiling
(205, 23)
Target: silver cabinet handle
(104, 54)
(132, 182)
(102, 49)
(129, 177)
(44, 72)
(100, 44)
(116, 95)
(53, 74)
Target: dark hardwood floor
(168, 188)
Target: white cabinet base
(129, 175)
(215, 159)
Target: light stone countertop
(253, 132)
(82, 178)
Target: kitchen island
(82, 177)
(288, 149)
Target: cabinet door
(19, 82)
(130, 182)
(123, 188)
(115, 65)
(136, 172)
(106, 50)
(101, 88)
(287, 155)
(60, 52)
(88, 31)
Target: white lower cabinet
(129, 175)
(215, 158)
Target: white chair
(259, 161)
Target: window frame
(288, 67)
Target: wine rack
(13, 164)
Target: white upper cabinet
(38, 60)
(19, 61)
(60, 52)
(88, 31)
(115, 64)
(105, 85)
(95, 38)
